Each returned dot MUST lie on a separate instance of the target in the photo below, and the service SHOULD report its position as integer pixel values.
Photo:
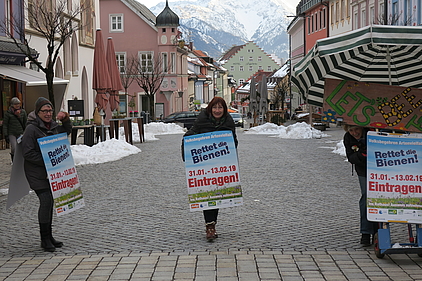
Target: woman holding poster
(355, 145)
(41, 124)
(213, 118)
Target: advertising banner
(212, 171)
(373, 105)
(61, 171)
(394, 177)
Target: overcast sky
(152, 3)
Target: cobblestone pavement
(299, 221)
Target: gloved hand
(7, 139)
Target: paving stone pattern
(299, 221)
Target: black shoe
(56, 243)
(365, 240)
(47, 245)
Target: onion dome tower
(167, 18)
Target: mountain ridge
(214, 26)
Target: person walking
(213, 118)
(41, 124)
(355, 144)
(14, 123)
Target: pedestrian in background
(355, 145)
(41, 124)
(213, 118)
(14, 123)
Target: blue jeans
(366, 227)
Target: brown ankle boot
(210, 229)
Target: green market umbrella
(382, 54)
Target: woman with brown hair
(213, 118)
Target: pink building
(137, 33)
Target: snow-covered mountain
(214, 26)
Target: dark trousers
(366, 227)
(45, 211)
(210, 215)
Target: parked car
(187, 118)
(238, 119)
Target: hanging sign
(373, 105)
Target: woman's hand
(61, 115)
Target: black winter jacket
(12, 124)
(206, 123)
(35, 171)
(356, 152)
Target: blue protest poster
(61, 171)
(212, 171)
(394, 177)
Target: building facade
(245, 60)
(138, 34)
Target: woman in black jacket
(214, 118)
(355, 145)
(41, 124)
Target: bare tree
(392, 19)
(129, 72)
(50, 20)
(281, 90)
(149, 78)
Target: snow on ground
(300, 130)
(115, 149)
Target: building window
(337, 12)
(173, 62)
(363, 18)
(395, 10)
(116, 23)
(372, 14)
(316, 22)
(312, 24)
(259, 58)
(270, 68)
(121, 62)
(146, 61)
(8, 18)
(232, 68)
(309, 26)
(163, 30)
(87, 22)
(241, 68)
(250, 58)
(260, 67)
(356, 21)
(250, 68)
(381, 11)
(241, 58)
(320, 19)
(241, 81)
(165, 62)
